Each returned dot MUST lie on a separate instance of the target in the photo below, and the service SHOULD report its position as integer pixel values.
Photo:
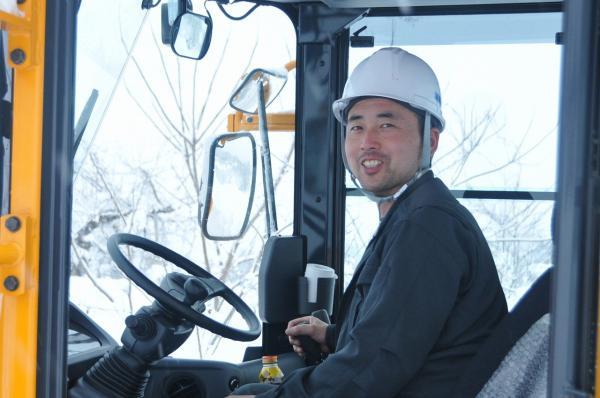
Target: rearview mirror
(228, 187)
(245, 96)
(190, 35)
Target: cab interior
(161, 139)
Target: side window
(139, 166)
(5, 123)
(499, 76)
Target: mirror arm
(266, 161)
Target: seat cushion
(532, 306)
(524, 371)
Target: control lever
(312, 349)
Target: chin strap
(424, 166)
(426, 144)
(389, 198)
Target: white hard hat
(396, 74)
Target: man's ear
(434, 139)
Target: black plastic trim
(79, 321)
(338, 228)
(298, 142)
(574, 299)
(502, 195)
(321, 73)
(585, 371)
(510, 8)
(79, 363)
(56, 197)
(486, 194)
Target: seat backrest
(532, 306)
(524, 371)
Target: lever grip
(312, 349)
(322, 315)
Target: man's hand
(309, 326)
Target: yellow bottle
(270, 372)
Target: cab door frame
(56, 193)
(319, 205)
(573, 369)
(34, 274)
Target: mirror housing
(190, 35)
(228, 186)
(245, 96)
(169, 11)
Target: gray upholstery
(524, 371)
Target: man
(426, 293)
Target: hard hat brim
(340, 107)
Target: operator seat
(513, 361)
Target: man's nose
(370, 139)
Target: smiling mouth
(371, 163)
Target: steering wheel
(202, 286)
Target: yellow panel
(21, 31)
(239, 121)
(19, 249)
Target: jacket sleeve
(331, 337)
(412, 292)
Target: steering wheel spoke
(215, 287)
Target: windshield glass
(106, 35)
(140, 164)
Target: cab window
(140, 160)
(499, 76)
(5, 123)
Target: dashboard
(86, 343)
(169, 377)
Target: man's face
(383, 144)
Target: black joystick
(312, 349)
(141, 326)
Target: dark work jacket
(424, 296)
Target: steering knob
(194, 290)
(142, 327)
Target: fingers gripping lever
(312, 349)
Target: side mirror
(228, 187)
(245, 96)
(190, 35)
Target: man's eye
(387, 125)
(355, 129)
